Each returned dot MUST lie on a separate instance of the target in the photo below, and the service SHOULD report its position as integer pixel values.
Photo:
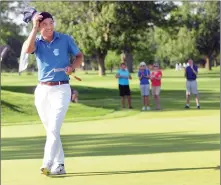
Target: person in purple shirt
(144, 75)
(191, 84)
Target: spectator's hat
(142, 64)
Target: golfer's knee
(53, 134)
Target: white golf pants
(52, 104)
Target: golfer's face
(47, 27)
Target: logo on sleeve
(56, 52)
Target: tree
(112, 60)
(202, 18)
(10, 36)
(175, 49)
(133, 18)
(145, 47)
(208, 39)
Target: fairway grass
(99, 96)
(105, 145)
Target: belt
(54, 83)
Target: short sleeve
(72, 47)
(148, 72)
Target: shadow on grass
(109, 98)
(11, 106)
(111, 144)
(130, 172)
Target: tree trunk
(101, 66)
(111, 68)
(129, 60)
(208, 64)
(127, 57)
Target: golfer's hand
(36, 19)
(68, 70)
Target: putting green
(147, 149)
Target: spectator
(123, 76)
(191, 83)
(144, 75)
(156, 76)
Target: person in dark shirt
(191, 84)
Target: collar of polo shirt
(55, 35)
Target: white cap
(142, 64)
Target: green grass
(99, 96)
(105, 145)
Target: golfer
(123, 76)
(53, 92)
(191, 72)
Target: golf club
(63, 69)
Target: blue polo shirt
(123, 81)
(145, 72)
(190, 75)
(54, 55)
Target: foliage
(208, 38)
(112, 60)
(143, 30)
(175, 49)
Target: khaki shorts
(191, 87)
(145, 90)
(155, 90)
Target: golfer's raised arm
(29, 45)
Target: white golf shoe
(59, 170)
